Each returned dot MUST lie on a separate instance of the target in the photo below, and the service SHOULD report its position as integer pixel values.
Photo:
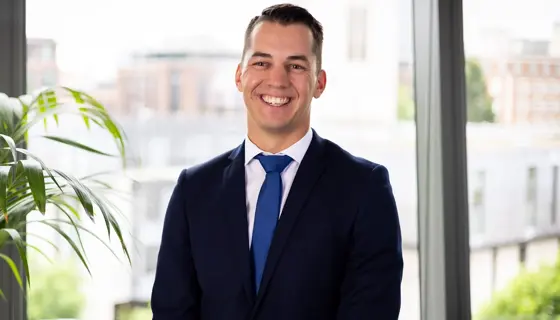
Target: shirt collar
(296, 151)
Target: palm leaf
(29, 184)
(12, 266)
(4, 177)
(55, 196)
(34, 174)
(11, 144)
(81, 192)
(91, 233)
(39, 251)
(9, 116)
(54, 101)
(40, 237)
(69, 240)
(20, 245)
(61, 206)
(32, 156)
(77, 145)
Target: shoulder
(352, 166)
(207, 171)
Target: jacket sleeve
(372, 284)
(176, 293)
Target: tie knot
(274, 163)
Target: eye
(260, 64)
(297, 67)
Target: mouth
(275, 101)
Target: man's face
(278, 78)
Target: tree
(479, 102)
(530, 295)
(55, 292)
(405, 104)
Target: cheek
(304, 85)
(249, 82)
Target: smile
(275, 101)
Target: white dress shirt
(255, 174)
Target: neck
(276, 142)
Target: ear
(321, 84)
(238, 78)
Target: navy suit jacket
(336, 251)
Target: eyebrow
(299, 57)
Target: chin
(275, 127)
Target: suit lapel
(233, 202)
(309, 171)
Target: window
(533, 69)
(164, 197)
(48, 79)
(156, 152)
(357, 33)
(523, 88)
(151, 255)
(545, 67)
(477, 203)
(554, 196)
(522, 253)
(171, 58)
(515, 148)
(517, 70)
(532, 196)
(150, 202)
(175, 90)
(47, 53)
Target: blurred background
(165, 70)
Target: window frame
(443, 221)
(13, 82)
(441, 153)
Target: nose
(278, 77)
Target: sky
(94, 36)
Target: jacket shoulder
(346, 162)
(207, 170)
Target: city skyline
(512, 169)
(93, 48)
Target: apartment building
(523, 77)
(42, 68)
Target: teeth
(275, 101)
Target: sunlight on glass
(513, 101)
(165, 70)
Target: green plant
(530, 295)
(56, 291)
(405, 104)
(27, 184)
(479, 101)
(134, 313)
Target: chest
(255, 177)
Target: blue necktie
(267, 211)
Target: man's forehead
(283, 41)
(283, 55)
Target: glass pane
(166, 71)
(512, 53)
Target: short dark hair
(287, 14)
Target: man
(288, 225)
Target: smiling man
(287, 225)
